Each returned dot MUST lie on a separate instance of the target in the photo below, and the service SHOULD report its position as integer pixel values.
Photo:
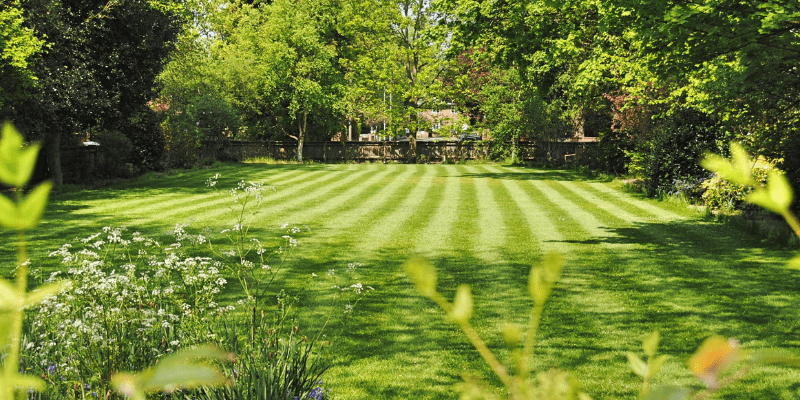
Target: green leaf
(718, 164)
(25, 163)
(541, 280)
(638, 366)
(776, 197)
(182, 376)
(779, 190)
(28, 382)
(16, 162)
(43, 292)
(774, 357)
(10, 144)
(10, 298)
(32, 207)
(655, 365)
(741, 163)
(762, 198)
(512, 335)
(737, 170)
(182, 370)
(462, 305)
(128, 385)
(8, 213)
(650, 344)
(423, 275)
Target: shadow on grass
(189, 181)
(689, 280)
(537, 174)
(695, 279)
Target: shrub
(719, 193)
(144, 132)
(677, 145)
(612, 153)
(114, 152)
(194, 120)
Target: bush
(147, 138)
(192, 121)
(678, 143)
(113, 154)
(611, 155)
(718, 193)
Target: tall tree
(561, 50)
(285, 56)
(418, 42)
(98, 70)
(739, 58)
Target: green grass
(633, 265)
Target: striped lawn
(634, 265)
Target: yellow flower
(712, 357)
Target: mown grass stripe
(355, 214)
(396, 229)
(491, 228)
(579, 214)
(283, 202)
(199, 208)
(543, 229)
(645, 205)
(612, 201)
(590, 198)
(339, 197)
(444, 216)
(166, 198)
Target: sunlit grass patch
(633, 265)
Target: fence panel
(334, 151)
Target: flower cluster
(128, 297)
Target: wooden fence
(438, 151)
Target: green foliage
(286, 369)
(130, 301)
(114, 152)
(98, 72)
(16, 170)
(776, 195)
(18, 44)
(676, 148)
(720, 193)
(613, 154)
(177, 371)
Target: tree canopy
(299, 69)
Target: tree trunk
(301, 137)
(412, 138)
(412, 146)
(52, 144)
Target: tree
(417, 42)
(17, 45)
(284, 56)
(565, 57)
(733, 59)
(98, 71)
